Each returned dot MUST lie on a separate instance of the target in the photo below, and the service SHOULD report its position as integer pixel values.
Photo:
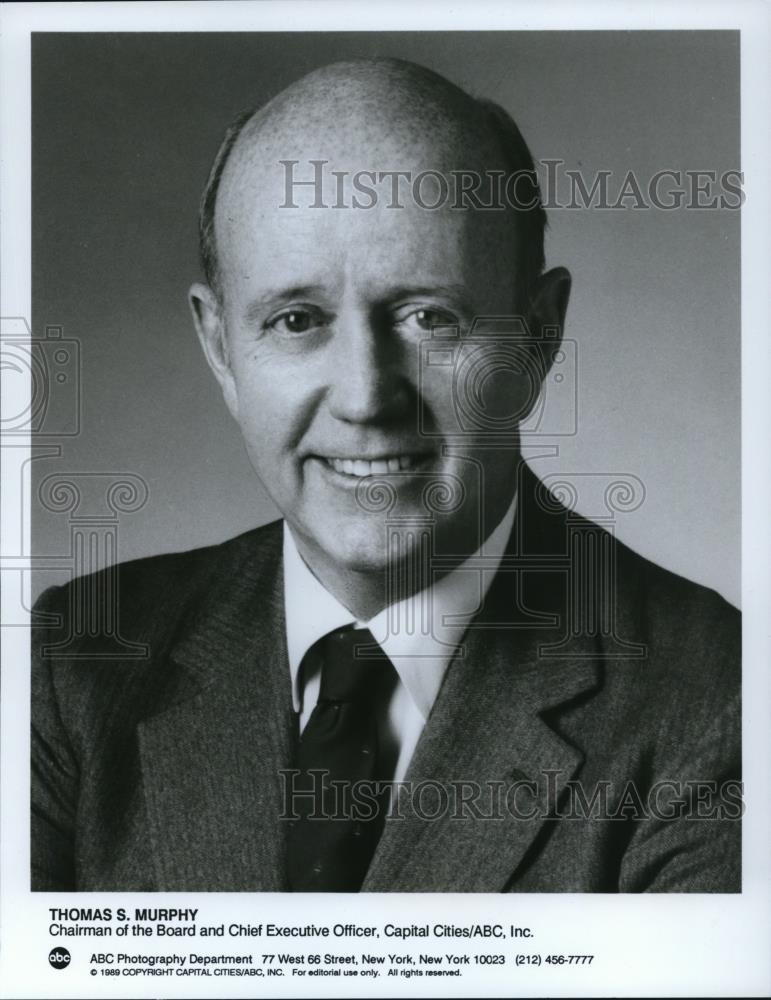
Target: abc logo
(59, 958)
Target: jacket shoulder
(678, 676)
(672, 610)
(664, 640)
(604, 573)
(145, 599)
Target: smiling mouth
(359, 468)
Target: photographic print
(379, 469)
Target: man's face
(323, 314)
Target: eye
(296, 321)
(426, 318)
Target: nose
(367, 378)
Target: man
(432, 676)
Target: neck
(363, 593)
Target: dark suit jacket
(162, 715)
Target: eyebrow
(456, 293)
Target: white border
(671, 945)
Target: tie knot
(353, 666)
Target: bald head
(363, 100)
(386, 113)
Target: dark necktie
(340, 758)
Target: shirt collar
(419, 634)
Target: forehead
(293, 200)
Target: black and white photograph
(380, 477)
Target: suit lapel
(485, 737)
(211, 760)
(488, 734)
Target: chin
(368, 546)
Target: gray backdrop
(124, 129)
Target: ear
(547, 305)
(210, 327)
(546, 311)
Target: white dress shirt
(419, 634)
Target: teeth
(361, 467)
